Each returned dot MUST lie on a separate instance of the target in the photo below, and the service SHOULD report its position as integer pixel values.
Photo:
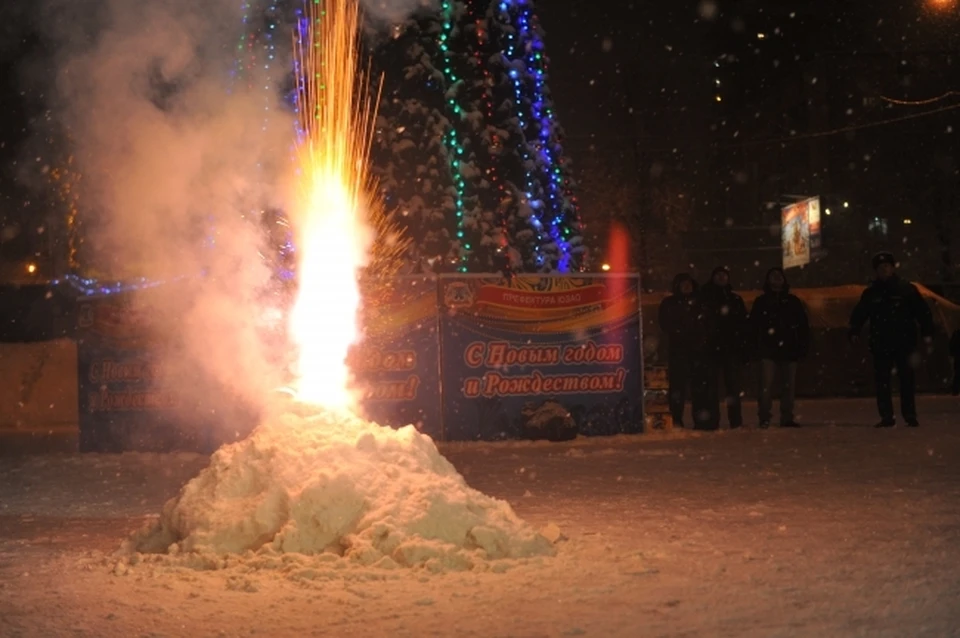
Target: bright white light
(333, 204)
(846, 204)
(827, 211)
(605, 267)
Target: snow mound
(333, 484)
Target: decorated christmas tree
(468, 149)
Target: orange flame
(336, 198)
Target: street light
(941, 5)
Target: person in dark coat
(780, 336)
(894, 308)
(683, 322)
(955, 353)
(726, 322)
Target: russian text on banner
(397, 362)
(136, 392)
(540, 357)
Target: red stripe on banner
(509, 297)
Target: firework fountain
(314, 480)
(335, 199)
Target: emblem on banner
(85, 318)
(458, 295)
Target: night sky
(708, 106)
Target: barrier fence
(461, 357)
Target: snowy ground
(832, 530)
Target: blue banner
(459, 357)
(397, 362)
(129, 400)
(540, 357)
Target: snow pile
(336, 485)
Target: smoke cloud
(177, 161)
(392, 12)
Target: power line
(920, 102)
(854, 127)
(801, 136)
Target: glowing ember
(335, 200)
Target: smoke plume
(393, 12)
(177, 161)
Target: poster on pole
(540, 357)
(800, 233)
(813, 223)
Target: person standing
(955, 353)
(726, 321)
(780, 335)
(894, 309)
(683, 322)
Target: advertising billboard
(800, 233)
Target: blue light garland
(303, 32)
(526, 49)
(91, 287)
(510, 56)
(246, 48)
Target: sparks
(336, 198)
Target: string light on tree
(548, 188)
(503, 184)
(452, 141)
(254, 66)
(510, 54)
(543, 117)
(481, 53)
(257, 50)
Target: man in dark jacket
(683, 322)
(894, 309)
(780, 334)
(955, 353)
(726, 322)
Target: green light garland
(452, 140)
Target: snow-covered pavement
(836, 529)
